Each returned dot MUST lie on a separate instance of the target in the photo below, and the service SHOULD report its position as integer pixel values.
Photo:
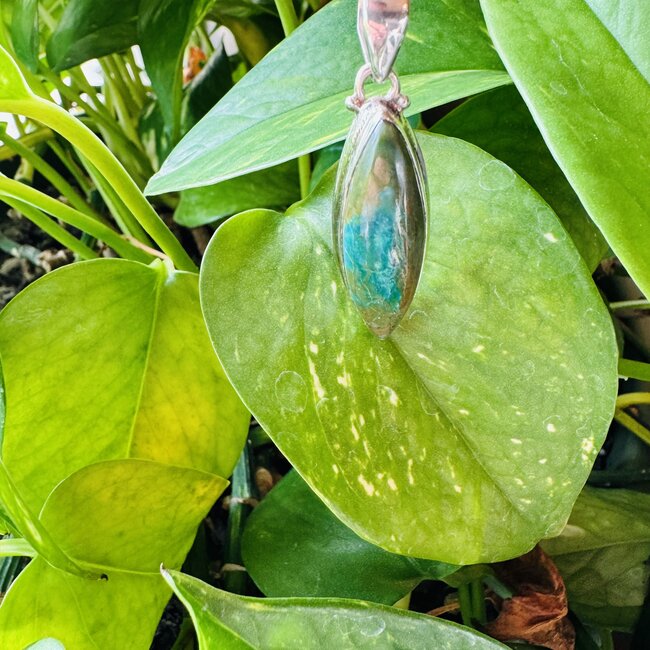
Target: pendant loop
(394, 97)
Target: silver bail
(381, 25)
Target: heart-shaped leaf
(223, 620)
(499, 122)
(594, 118)
(118, 417)
(602, 555)
(292, 102)
(294, 546)
(118, 349)
(507, 353)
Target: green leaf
(507, 353)
(276, 187)
(603, 554)
(13, 87)
(292, 102)
(24, 32)
(89, 29)
(593, 117)
(118, 349)
(164, 27)
(130, 514)
(499, 122)
(294, 546)
(227, 621)
(121, 612)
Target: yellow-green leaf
(594, 117)
(507, 352)
(230, 622)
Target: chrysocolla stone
(380, 216)
(381, 25)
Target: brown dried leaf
(537, 613)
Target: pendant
(380, 209)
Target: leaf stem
(74, 169)
(103, 159)
(242, 492)
(629, 399)
(52, 228)
(630, 304)
(479, 613)
(16, 547)
(111, 127)
(289, 20)
(465, 601)
(288, 16)
(30, 140)
(65, 213)
(632, 425)
(50, 174)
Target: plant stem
(30, 140)
(71, 166)
(404, 603)
(304, 172)
(465, 600)
(16, 547)
(607, 641)
(117, 95)
(632, 425)
(52, 228)
(127, 147)
(65, 213)
(240, 508)
(107, 164)
(122, 215)
(630, 304)
(478, 601)
(629, 399)
(288, 16)
(51, 175)
(289, 20)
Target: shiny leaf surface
(99, 346)
(507, 352)
(24, 32)
(594, 119)
(499, 122)
(224, 620)
(292, 102)
(89, 29)
(294, 546)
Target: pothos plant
(463, 440)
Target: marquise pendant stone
(380, 215)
